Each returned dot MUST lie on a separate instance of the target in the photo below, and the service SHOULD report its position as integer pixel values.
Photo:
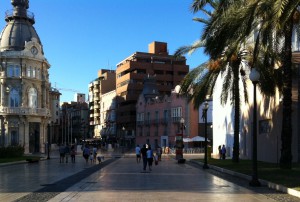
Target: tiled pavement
(119, 179)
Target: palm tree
(273, 21)
(203, 82)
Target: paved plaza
(119, 178)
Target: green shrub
(11, 151)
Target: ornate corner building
(24, 82)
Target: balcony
(140, 123)
(176, 119)
(25, 111)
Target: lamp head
(254, 75)
(206, 105)
(182, 120)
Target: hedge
(11, 151)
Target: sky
(80, 37)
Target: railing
(25, 111)
(10, 13)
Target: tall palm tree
(273, 20)
(229, 67)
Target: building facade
(269, 123)
(161, 117)
(107, 129)
(130, 73)
(24, 89)
(74, 125)
(98, 89)
(54, 123)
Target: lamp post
(48, 144)
(182, 124)
(254, 77)
(123, 139)
(204, 116)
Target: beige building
(104, 83)
(24, 88)
(107, 127)
(130, 73)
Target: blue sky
(80, 37)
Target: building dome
(19, 28)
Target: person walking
(223, 152)
(220, 152)
(138, 154)
(144, 156)
(73, 154)
(67, 152)
(94, 154)
(150, 157)
(158, 152)
(86, 153)
(61, 153)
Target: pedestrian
(94, 154)
(86, 153)
(61, 153)
(138, 154)
(67, 152)
(223, 152)
(150, 157)
(158, 152)
(220, 152)
(144, 156)
(92, 157)
(73, 154)
(156, 159)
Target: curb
(277, 187)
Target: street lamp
(182, 124)
(48, 144)
(123, 139)
(254, 77)
(204, 116)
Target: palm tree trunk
(236, 94)
(286, 133)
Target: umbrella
(187, 140)
(198, 139)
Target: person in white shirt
(138, 154)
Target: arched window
(14, 98)
(32, 98)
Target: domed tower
(24, 87)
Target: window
(10, 71)
(14, 98)
(177, 112)
(34, 72)
(38, 74)
(32, 96)
(29, 71)
(13, 71)
(14, 138)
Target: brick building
(130, 73)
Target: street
(117, 179)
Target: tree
(274, 22)
(227, 64)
